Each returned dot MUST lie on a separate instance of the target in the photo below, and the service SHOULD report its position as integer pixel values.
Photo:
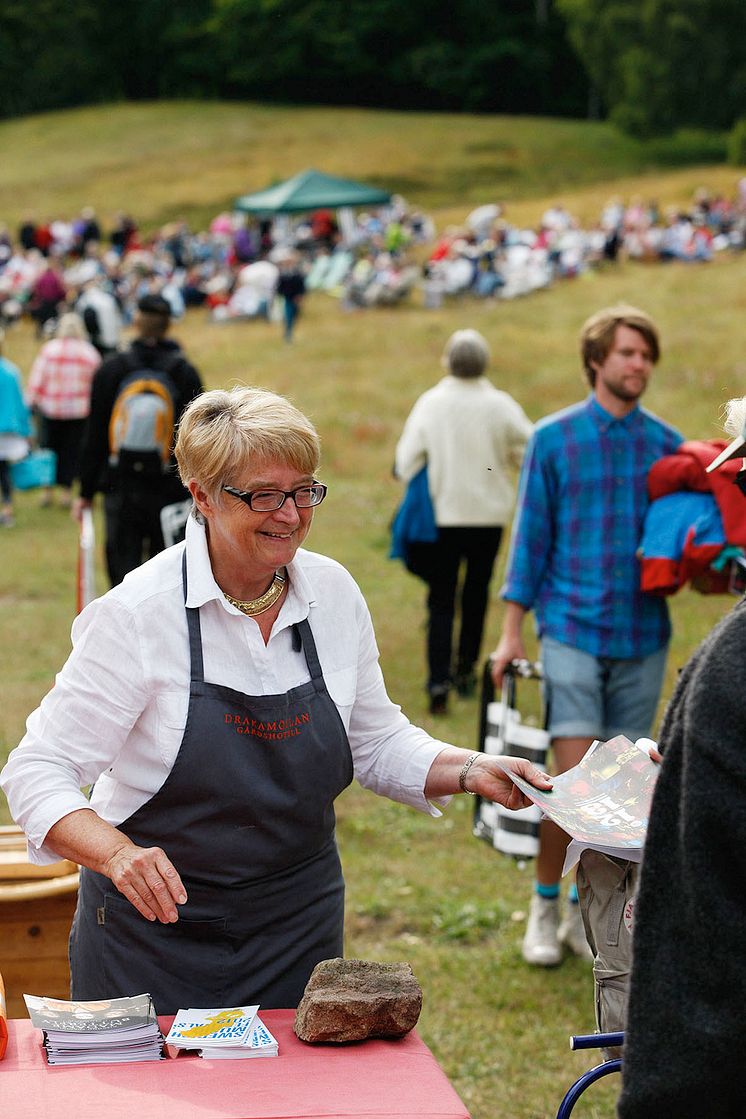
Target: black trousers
(133, 526)
(6, 481)
(64, 438)
(475, 549)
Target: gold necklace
(258, 605)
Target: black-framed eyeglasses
(268, 501)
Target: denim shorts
(600, 697)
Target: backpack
(141, 428)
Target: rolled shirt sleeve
(80, 727)
(116, 714)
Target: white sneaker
(572, 932)
(541, 945)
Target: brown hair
(599, 331)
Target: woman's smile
(246, 546)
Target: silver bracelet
(462, 775)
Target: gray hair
(221, 432)
(466, 354)
(735, 416)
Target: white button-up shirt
(116, 714)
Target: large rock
(349, 1000)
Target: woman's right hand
(144, 875)
(149, 881)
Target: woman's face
(248, 546)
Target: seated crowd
(234, 268)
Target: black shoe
(439, 699)
(466, 684)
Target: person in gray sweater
(471, 436)
(687, 998)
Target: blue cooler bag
(37, 469)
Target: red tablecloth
(368, 1080)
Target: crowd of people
(234, 269)
(489, 257)
(237, 268)
(107, 421)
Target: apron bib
(247, 818)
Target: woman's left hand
(488, 780)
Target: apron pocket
(184, 964)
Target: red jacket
(663, 572)
(685, 470)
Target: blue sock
(548, 891)
(572, 895)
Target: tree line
(650, 65)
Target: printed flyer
(604, 801)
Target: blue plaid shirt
(581, 505)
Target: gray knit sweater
(687, 1007)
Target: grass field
(418, 890)
(192, 159)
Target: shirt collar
(604, 420)
(202, 587)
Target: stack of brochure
(222, 1032)
(106, 1031)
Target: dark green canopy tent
(311, 190)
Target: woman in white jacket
(470, 435)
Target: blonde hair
(597, 335)
(222, 431)
(71, 325)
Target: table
(364, 1080)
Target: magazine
(104, 1031)
(222, 1032)
(604, 801)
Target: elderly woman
(470, 436)
(219, 700)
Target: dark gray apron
(247, 818)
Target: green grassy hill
(162, 160)
(418, 890)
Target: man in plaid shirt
(581, 504)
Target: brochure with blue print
(260, 1043)
(222, 1032)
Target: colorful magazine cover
(604, 801)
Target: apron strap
(195, 631)
(303, 630)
